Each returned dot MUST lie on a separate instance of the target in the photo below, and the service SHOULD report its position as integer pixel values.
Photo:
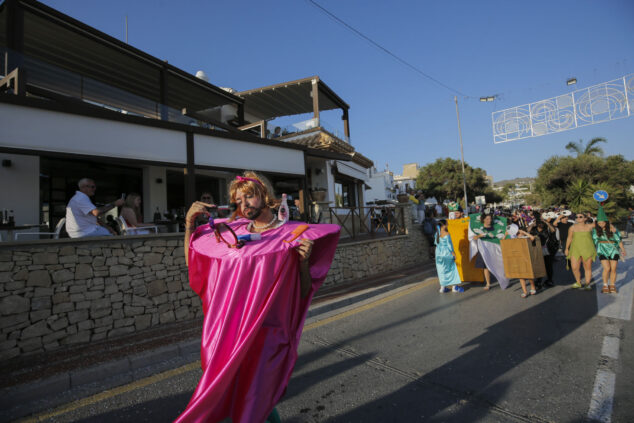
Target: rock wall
(76, 291)
(71, 291)
(357, 260)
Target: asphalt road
(419, 355)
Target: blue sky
(521, 51)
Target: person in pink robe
(255, 299)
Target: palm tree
(576, 193)
(590, 149)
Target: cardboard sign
(458, 230)
(523, 258)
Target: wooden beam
(346, 124)
(315, 93)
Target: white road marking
(610, 347)
(602, 397)
(617, 306)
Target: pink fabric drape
(254, 316)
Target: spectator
(413, 201)
(429, 229)
(206, 197)
(420, 208)
(438, 210)
(81, 213)
(131, 211)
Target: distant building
(381, 186)
(407, 180)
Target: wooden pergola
(294, 97)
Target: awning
(290, 98)
(351, 169)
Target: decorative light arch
(600, 103)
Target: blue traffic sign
(600, 195)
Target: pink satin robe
(254, 316)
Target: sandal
(524, 295)
(612, 289)
(533, 292)
(605, 289)
(587, 287)
(486, 288)
(576, 285)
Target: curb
(46, 393)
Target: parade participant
(518, 220)
(454, 210)
(607, 240)
(580, 249)
(514, 232)
(485, 233)
(546, 234)
(446, 260)
(255, 295)
(562, 225)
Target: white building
(381, 186)
(79, 103)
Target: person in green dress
(607, 241)
(580, 249)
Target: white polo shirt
(79, 221)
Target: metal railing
(358, 222)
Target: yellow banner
(459, 231)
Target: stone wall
(71, 291)
(76, 291)
(357, 260)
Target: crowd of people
(579, 238)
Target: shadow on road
(466, 388)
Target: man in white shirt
(81, 213)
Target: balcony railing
(50, 81)
(303, 126)
(362, 222)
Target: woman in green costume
(607, 240)
(580, 249)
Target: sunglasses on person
(205, 197)
(579, 216)
(225, 234)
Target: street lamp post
(464, 176)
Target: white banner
(600, 103)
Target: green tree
(568, 180)
(443, 179)
(591, 149)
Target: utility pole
(464, 176)
(126, 29)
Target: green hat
(601, 216)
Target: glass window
(345, 194)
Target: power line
(384, 49)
